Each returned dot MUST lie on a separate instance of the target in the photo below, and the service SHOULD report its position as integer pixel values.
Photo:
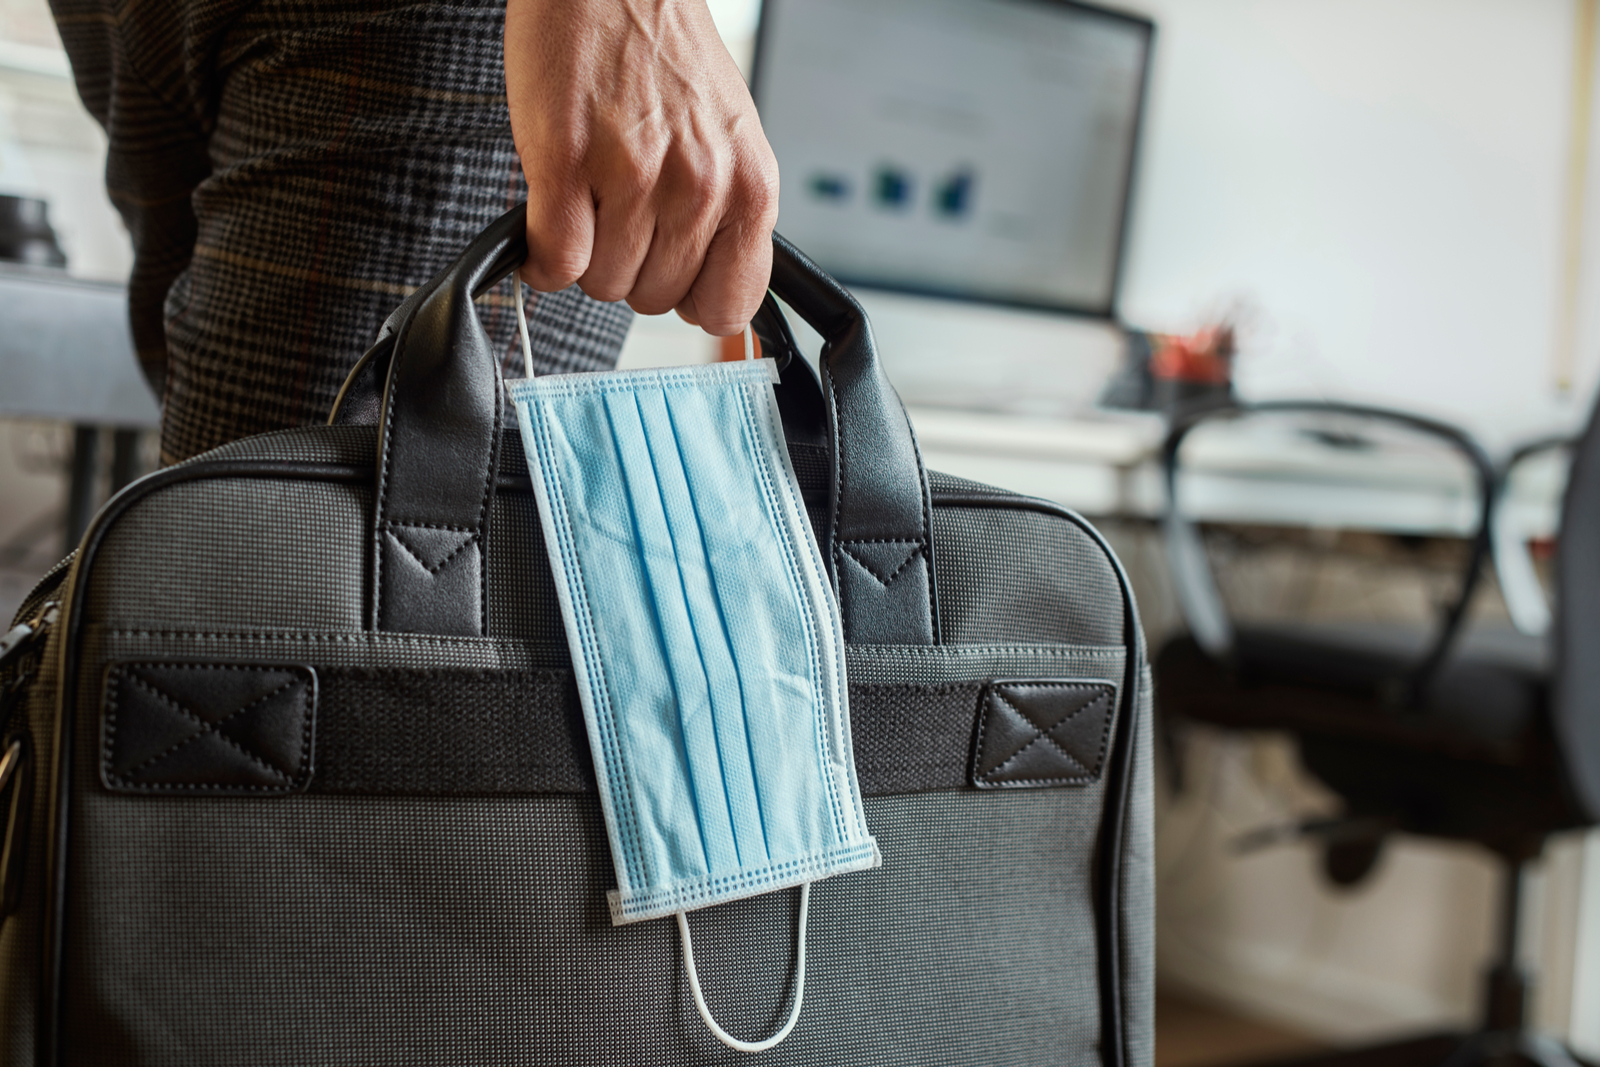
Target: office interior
(1387, 203)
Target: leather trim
(202, 727)
(1038, 733)
(443, 412)
(438, 458)
(58, 828)
(879, 488)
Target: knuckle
(651, 304)
(606, 290)
(628, 175)
(702, 201)
(554, 264)
(761, 188)
(548, 273)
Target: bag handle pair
(441, 412)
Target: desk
(1107, 465)
(66, 354)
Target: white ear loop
(522, 328)
(749, 343)
(799, 972)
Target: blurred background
(1075, 229)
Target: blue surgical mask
(704, 635)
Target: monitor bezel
(1107, 311)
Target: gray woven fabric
(1013, 576)
(1004, 575)
(349, 445)
(414, 930)
(522, 595)
(288, 172)
(219, 536)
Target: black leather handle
(439, 431)
(443, 410)
(880, 514)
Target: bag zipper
(20, 651)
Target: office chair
(1432, 731)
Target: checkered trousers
(289, 170)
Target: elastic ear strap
(522, 328)
(799, 983)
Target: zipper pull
(24, 636)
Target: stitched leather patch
(181, 728)
(1040, 734)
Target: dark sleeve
(157, 147)
(328, 158)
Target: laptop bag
(295, 769)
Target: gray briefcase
(281, 786)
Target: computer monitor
(979, 149)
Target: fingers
(624, 225)
(649, 179)
(737, 265)
(690, 198)
(561, 229)
(692, 235)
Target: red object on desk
(1203, 357)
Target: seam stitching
(915, 552)
(471, 540)
(124, 676)
(1041, 735)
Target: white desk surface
(1107, 464)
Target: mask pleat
(694, 543)
(777, 671)
(597, 518)
(676, 646)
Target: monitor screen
(968, 148)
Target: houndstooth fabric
(289, 170)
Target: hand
(649, 179)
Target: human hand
(649, 178)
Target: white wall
(1382, 183)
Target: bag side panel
(340, 930)
(1010, 575)
(1012, 570)
(19, 940)
(1138, 928)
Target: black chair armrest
(1525, 598)
(1196, 587)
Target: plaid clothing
(289, 170)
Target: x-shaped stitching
(208, 728)
(1043, 734)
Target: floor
(1194, 1033)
